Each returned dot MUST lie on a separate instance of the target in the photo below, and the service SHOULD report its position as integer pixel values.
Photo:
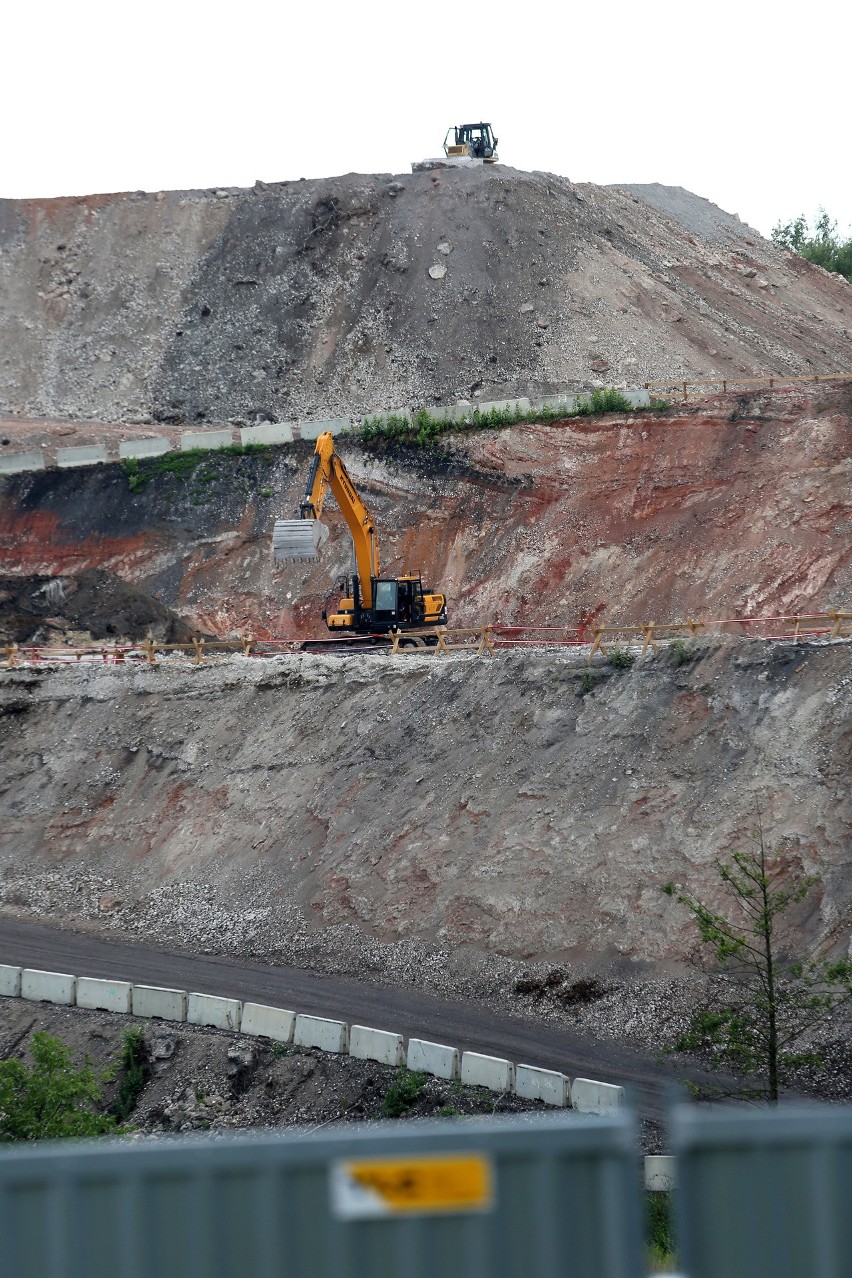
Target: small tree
(51, 1098)
(760, 1024)
(820, 245)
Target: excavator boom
(376, 603)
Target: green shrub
(587, 680)
(660, 406)
(602, 401)
(681, 652)
(659, 1236)
(403, 1092)
(621, 658)
(51, 1099)
(133, 1073)
(185, 462)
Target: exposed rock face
(738, 507)
(308, 807)
(338, 296)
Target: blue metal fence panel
(562, 1200)
(764, 1193)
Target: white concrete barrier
(659, 1173)
(557, 403)
(638, 398)
(268, 1022)
(316, 1031)
(313, 430)
(48, 987)
(152, 1000)
(144, 447)
(589, 1097)
(460, 412)
(521, 405)
(379, 419)
(375, 1045)
(108, 996)
(10, 981)
(432, 1058)
(82, 455)
(268, 433)
(487, 1071)
(206, 439)
(546, 1085)
(209, 1009)
(14, 463)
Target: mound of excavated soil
(91, 604)
(341, 295)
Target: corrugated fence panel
(565, 1201)
(766, 1193)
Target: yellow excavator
(372, 604)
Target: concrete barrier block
(589, 1097)
(316, 1031)
(83, 455)
(10, 981)
(14, 463)
(376, 1045)
(206, 439)
(487, 1071)
(313, 430)
(268, 1022)
(521, 405)
(48, 987)
(209, 1009)
(108, 996)
(546, 1085)
(558, 403)
(460, 412)
(659, 1173)
(638, 398)
(379, 419)
(268, 433)
(152, 1000)
(432, 1058)
(144, 447)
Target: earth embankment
(356, 293)
(421, 815)
(736, 507)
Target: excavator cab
(477, 141)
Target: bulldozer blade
(298, 538)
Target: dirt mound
(342, 295)
(90, 605)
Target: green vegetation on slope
(820, 245)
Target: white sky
(745, 103)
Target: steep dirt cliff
(739, 506)
(378, 813)
(333, 297)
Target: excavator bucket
(298, 538)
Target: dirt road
(468, 1026)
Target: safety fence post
(11, 651)
(247, 641)
(149, 651)
(486, 643)
(694, 626)
(838, 618)
(198, 645)
(442, 639)
(598, 645)
(648, 632)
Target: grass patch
(682, 652)
(423, 430)
(659, 1234)
(621, 658)
(403, 1092)
(184, 463)
(133, 1073)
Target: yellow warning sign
(363, 1188)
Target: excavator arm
(298, 539)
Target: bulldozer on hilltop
(465, 146)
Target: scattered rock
(437, 271)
